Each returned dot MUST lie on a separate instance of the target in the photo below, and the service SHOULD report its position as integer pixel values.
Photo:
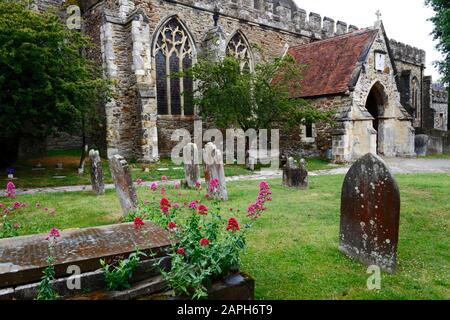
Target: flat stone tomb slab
(22, 259)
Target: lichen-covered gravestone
(98, 185)
(370, 214)
(191, 165)
(123, 183)
(294, 176)
(214, 169)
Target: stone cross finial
(378, 14)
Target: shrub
(204, 245)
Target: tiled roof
(331, 63)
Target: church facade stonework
(141, 42)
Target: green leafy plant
(7, 229)
(118, 277)
(204, 245)
(45, 290)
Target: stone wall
(125, 31)
(410, 65)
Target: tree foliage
(441, 33)
(261, 99)
(46, 84)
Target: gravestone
(191, 165)
(370, 214)
(121, 174)
(294, 176)
(421, 144)
(98, 185)
(214, 168)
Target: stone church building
(376, 85)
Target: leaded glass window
(239, 48)
(173, 53)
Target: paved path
(397, 165)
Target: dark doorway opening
(375, 105)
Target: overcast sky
(404, 21)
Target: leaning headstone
(121, 174)
(191, 165)
(214, 168)
(370, 214)
(294, 176)
(97, 183)
(421, 144)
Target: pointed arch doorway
(375, 105)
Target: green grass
(51, 177)
(437, 156)
(293, 250)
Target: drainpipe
(422, 113)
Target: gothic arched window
(238, 47)
(173, 53)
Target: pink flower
(54, 233)
(176, 185)
(202, 210)
(213, 185)
(163, 178)
(6, 211)
(193, 205)
(176, 205)
(10, 190)
(154, 186)
(1, 205)
(138, 181)
(172, 226)
(198, 185)
(163, 191)
(16, 205)
(138, 223)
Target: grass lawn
(292, 250)
(437, 156)
(51, 177)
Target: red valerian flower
(164, 204)
(202, 210)
(204, 242)
(154, 186)
(138, 181)
(233, 225)
(193, 205)
(180, 251)
(172, 225)
(138, 223)
(54, 233)
(163, 178)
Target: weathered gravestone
(123, 183)
(370, 214)
(191, 165)
(294, 176)
(421, 144)
(214, 169)
(97, 183)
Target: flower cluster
(213, 186)
(202, 210)
(154, 186)
(233, 225)
(10, 190)
(138, 222)
(255, 209)
(53, 234)
(164, 205)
